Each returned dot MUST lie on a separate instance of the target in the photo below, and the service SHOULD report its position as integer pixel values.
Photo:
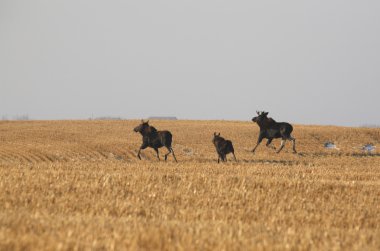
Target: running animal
(223, 147)
(270, 129)
(154, 139)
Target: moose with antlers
(154, 139)
(270, 129)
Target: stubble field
(77, 185)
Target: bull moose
(154, 139)
(270, 129)
(223, 147)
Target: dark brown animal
(270, 129)
(154, 139)
(223, 147)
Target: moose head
(216, 137)
(142, 127)
(261, 117)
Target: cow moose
(270, 129)
(154, 139)
(223, 147)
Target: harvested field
(78, 185)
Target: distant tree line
(17, 117)
(370, 126)
(162, 118)
(106, 118)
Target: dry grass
(77, 185)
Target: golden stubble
(77, 185)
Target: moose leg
(220, 156)
(142, 147)
(294, 144)
(282, 145)
(233, 153)
(258, 143)
(138, 154)
(171, 151)
(268, 144)
(166, 155)
(158, 156)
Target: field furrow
(78, 185)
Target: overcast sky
(308, 62)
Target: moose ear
(258, 113)
(265, 113)
(147, 121)
(218, 134)
(214, 133)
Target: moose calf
(223, 147)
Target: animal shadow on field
(363, 155)
(183, 151)
(339, 154)
(272, 161)
(283, 153)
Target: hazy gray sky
(311, 62)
